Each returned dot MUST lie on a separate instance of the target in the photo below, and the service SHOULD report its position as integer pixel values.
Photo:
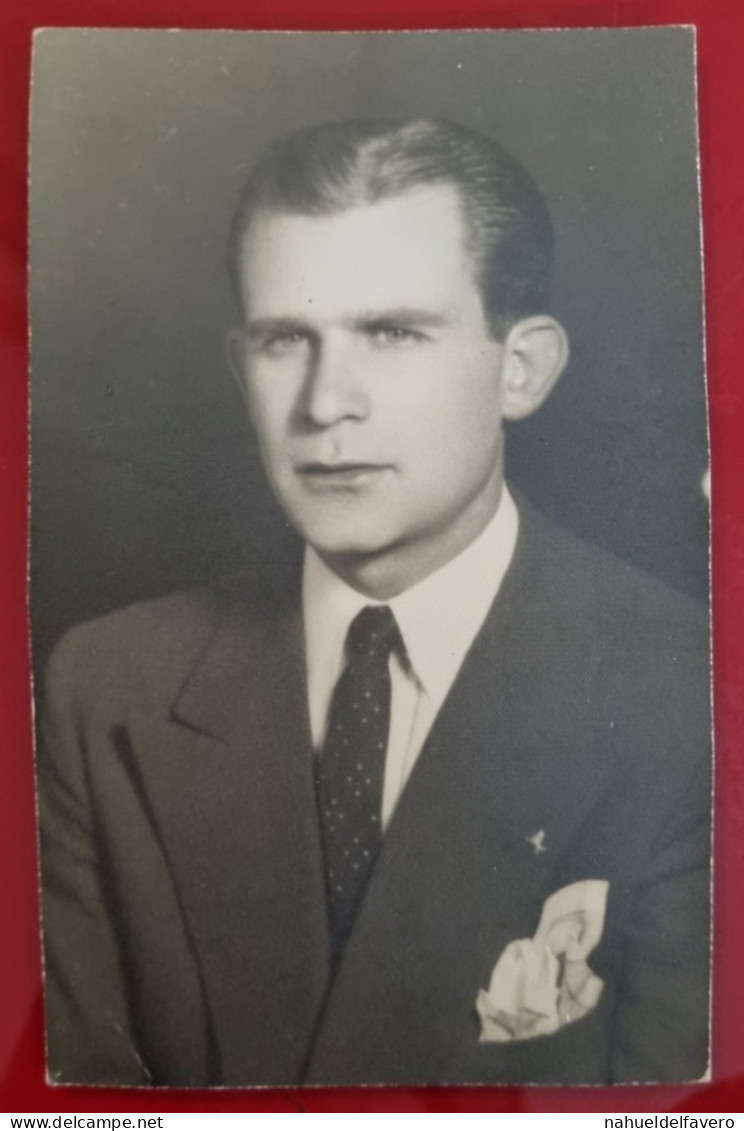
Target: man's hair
(337, 166)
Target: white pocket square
(541, 984)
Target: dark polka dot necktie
(351, 766)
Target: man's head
(391, 322)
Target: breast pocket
(578, 1053)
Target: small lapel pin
(537, 840)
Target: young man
(438, 809)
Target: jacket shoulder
(146, 633)
(144, 651)
(583, 580)
(603, 637)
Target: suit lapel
(459, 877)
(230, 783)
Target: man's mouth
(329, 476)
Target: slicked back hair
(331, 168)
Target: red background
(720, 26)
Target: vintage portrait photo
(369, 558)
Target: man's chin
(337, 528)
(346, 547)
(345, 541)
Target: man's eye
(286, 341)
(394, 335)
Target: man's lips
(343, 474)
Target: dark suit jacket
(185, 921)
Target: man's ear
(535, 355)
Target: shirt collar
(438, 618)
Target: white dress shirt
(438, 620)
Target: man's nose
(333, 389)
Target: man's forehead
(386, 251)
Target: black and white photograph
(369, 557)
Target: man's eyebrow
(257, 328)
(400, 316)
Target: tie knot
(373, 633)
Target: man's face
(373, 383)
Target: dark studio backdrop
(145, 478)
